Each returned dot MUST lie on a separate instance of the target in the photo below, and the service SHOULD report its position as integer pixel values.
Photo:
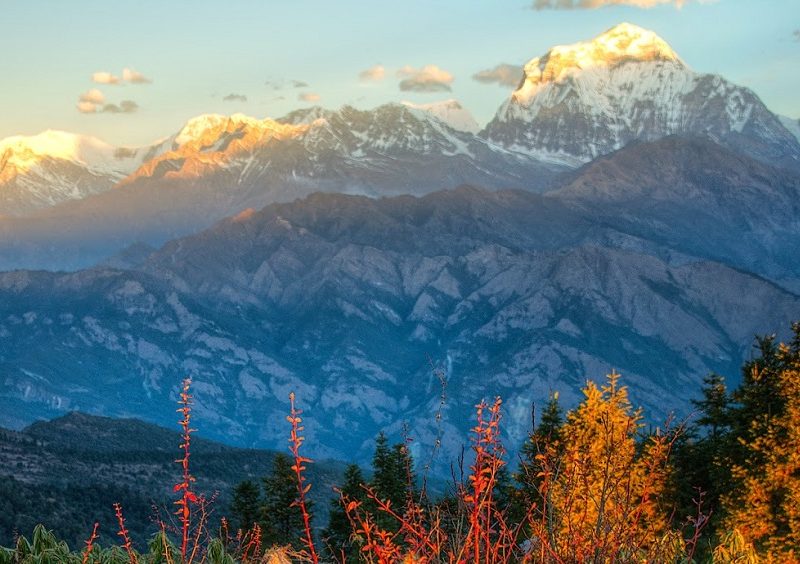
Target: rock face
(580, 101)
(344, 299)
(701, 198)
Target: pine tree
(714, 407)
(392, 480)
(764, 501)
(282, 522)
(547, 434)
(246, 505)
(552, 419)
(701, 458)
(337, 535)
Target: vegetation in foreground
(593, 486)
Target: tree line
(594, 482)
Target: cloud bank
(134, 77)
(503, 75)
(93, 101)
(429, 78)
(372, 74)
(103, 77)
(124, 107)
(93, 96)
(593, 4)
(128, 75)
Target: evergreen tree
(246, 505)
(764, 499)
(392, 480)
(337, 535)
(546, 434)
(714, 407)
(282, 522)
(552, 419)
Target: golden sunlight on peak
(622, 43)
(207, 143)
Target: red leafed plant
(123, 534)
(90, 544)
(188, 497)
(295, 441)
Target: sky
(130, 72)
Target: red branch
(295, 440)
(90, 544)
(184, 511)
(123, 532)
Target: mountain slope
(580, 101)
(218, 166)
(67, 473)
(344, 299)
(696, 197)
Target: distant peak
(54, 143)
(622, 43)
(451, 112)
(450, 104)
(198, 125)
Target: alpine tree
(600, 485)
(545, 437)
(246, 505)
(392, 478)
(702, 459)
(338, 534)
(282, 522)
(764, 500)
(546, 433)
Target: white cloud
(93, 96)
(103, 77)
(372, 74)
(593, 4)
(429, 78)
(87, 107)
(309, 97)
(134, 77)
(93, 101)
(503, 74)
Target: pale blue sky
(196, 52)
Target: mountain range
(71, 201)
(619, 212)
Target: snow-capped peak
(451, 112)
(198, 125)
(25, 151)
(621, 44)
